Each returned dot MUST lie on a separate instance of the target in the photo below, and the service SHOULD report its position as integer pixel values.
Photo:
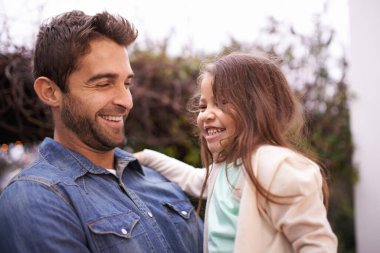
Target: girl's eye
(202, 108)
(222, 102)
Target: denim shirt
(64, 203)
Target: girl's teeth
(214, 131)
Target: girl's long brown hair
(264, 108)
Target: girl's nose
(208, 114)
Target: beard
(88, 130)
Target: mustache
(114, 110)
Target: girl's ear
(48, 92)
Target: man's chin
(112, 145)
(104, 145)
(119, 142)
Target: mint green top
(223, 211)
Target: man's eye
(101, 85)
(128, 84)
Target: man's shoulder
(36, 179)
(151, 174)
(42, 172)
(50, 165)
(36, 183)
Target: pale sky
(206, 25)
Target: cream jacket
(299, 224)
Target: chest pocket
(183, 216)
(179, 211)
(119, 233)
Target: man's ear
(48, 91)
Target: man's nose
(123, 97)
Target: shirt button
(124, 231)
(184, 212)
(150, 214)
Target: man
(82, 193)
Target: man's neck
(104, 159)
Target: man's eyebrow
(105, 75)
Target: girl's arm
(190, 179)
(301, 217)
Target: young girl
(264, 195)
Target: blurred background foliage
(164, 83)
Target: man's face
(98, 100)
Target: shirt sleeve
(34, 219)
(190, 179)
(300, 213)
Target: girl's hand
(140, 157)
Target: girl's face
(215, 125)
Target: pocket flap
(120, 224)
(183, 208)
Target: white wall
(365, 119)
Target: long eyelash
(197, 108)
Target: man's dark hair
(65, 39)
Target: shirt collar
(62, 157)
(124, 159)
